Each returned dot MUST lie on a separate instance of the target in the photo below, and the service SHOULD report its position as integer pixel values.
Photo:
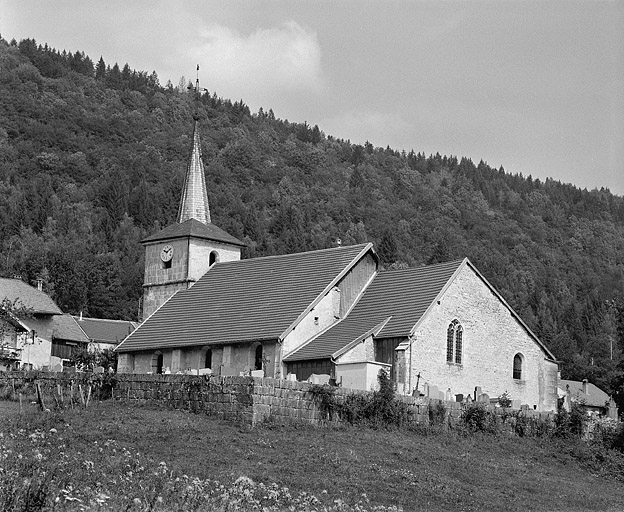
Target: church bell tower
(177, 256)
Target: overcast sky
(537, 87)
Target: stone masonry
(244, 399)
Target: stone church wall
(227, 360)
(492, 336)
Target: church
(440, 331)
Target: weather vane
(198, 91)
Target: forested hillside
(92, 158)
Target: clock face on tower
(166, 253)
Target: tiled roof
(595, 397)
(404, 295)
(66, 328)
(196, 229)
(194, 202)
(247, 300)
(102, 330)
(30, 297)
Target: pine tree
(100, 69)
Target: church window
(258, 358)
(208, 359)
(214, 258)
(157, 363)
(454, 342)
(517, 367)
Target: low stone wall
(247, 399)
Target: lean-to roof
(399, 296)
(247, 300)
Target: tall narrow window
(458, 343)
(258, 358)
(454, 335)
(214, 258)
(450, 342)
(157, 363)
(208, 359)
(517, 367)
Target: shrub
(528, 426)
(573, 423)
(325, 398)
(504, 400)
(437, 414)
(477, 418)
(377, 409)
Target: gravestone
(98, 370)
(318, 379)
(477, 392)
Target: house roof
(403, 295)
(66, 328)
(595, 397)
(30, 297)
(193, 228)
(246, 300)
(102, 330)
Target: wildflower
(244, 480)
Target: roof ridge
(315, 251)
(423, 267)
(100, 319)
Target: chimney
(81, 316)
(585, 387)
(40, 284)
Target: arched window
(517, 367)
(454, 335)
(214, 258)
(208, 359)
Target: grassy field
(116, 457)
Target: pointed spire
(194, 202)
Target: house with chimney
(35, 333)
(440, 331)
(590, 396)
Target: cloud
(269, 61)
